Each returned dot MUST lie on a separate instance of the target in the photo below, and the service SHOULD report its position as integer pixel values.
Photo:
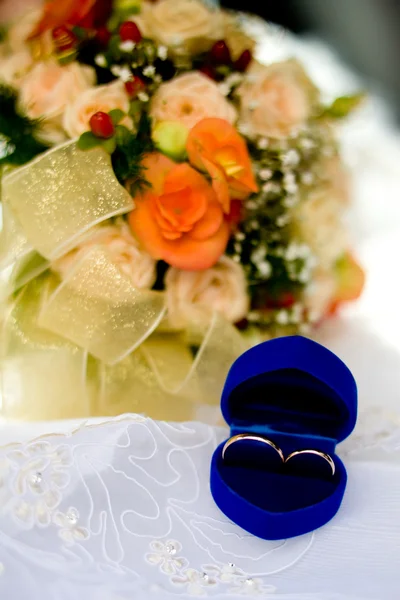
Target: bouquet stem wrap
(91, 344)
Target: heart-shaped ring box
(299, 395)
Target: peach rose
(275, 99)
(179, 219)
(190, 98)
(101, 98)
(193, 295)
(215, 146)
(47, 89)
(181, 24)
(125, 252)
(320, 293)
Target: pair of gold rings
(263, 440)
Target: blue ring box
(300, 395)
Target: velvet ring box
(299, 395)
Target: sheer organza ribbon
(91, 344)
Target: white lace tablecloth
(121, 510)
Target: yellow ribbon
(91, 344)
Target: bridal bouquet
(167, 200)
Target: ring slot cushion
(301, 396)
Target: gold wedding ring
(263, 440)
(253, 438)
(326, 457)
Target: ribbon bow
(91, 344)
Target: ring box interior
(299, 395)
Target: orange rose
(86, 13)
(215, 146)
(179, 219)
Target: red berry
(101, 125)
(97, 16)
(242, 63)
(103, 36)
(235, 212)
(242, 324)
(134, 86)
(101, 12)
(129, 31)
(209, 71)
(285, 300)
(63, 38)
(220, 53)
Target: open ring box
(299, 395)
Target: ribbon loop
(98, 309)
(57, 197)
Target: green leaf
(87, 141)
(129, 7)
(223, 70)
(65, 58)
(80, 32)
(135, 109)
(343, 106)
(19, 135)
(131, 147)
(109, 145)
(116, 115)
(113, 47)
(123, 135)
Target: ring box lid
(291, 387)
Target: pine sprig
(18, 141)
(128, 155)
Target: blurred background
(365, 33)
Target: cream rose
(20, 30)
(193, 295)
(235, 36)
(14, 66)
(190, 98)
(125, 252)
(101, 98)
(318, 218)
(275, 99)
(47, 89)
(181, 24)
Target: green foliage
(109, 145)
(129, 152)
(343, 106)
(116, 116)
(87, 141)
(18, 133)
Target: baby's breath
(278, 265)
